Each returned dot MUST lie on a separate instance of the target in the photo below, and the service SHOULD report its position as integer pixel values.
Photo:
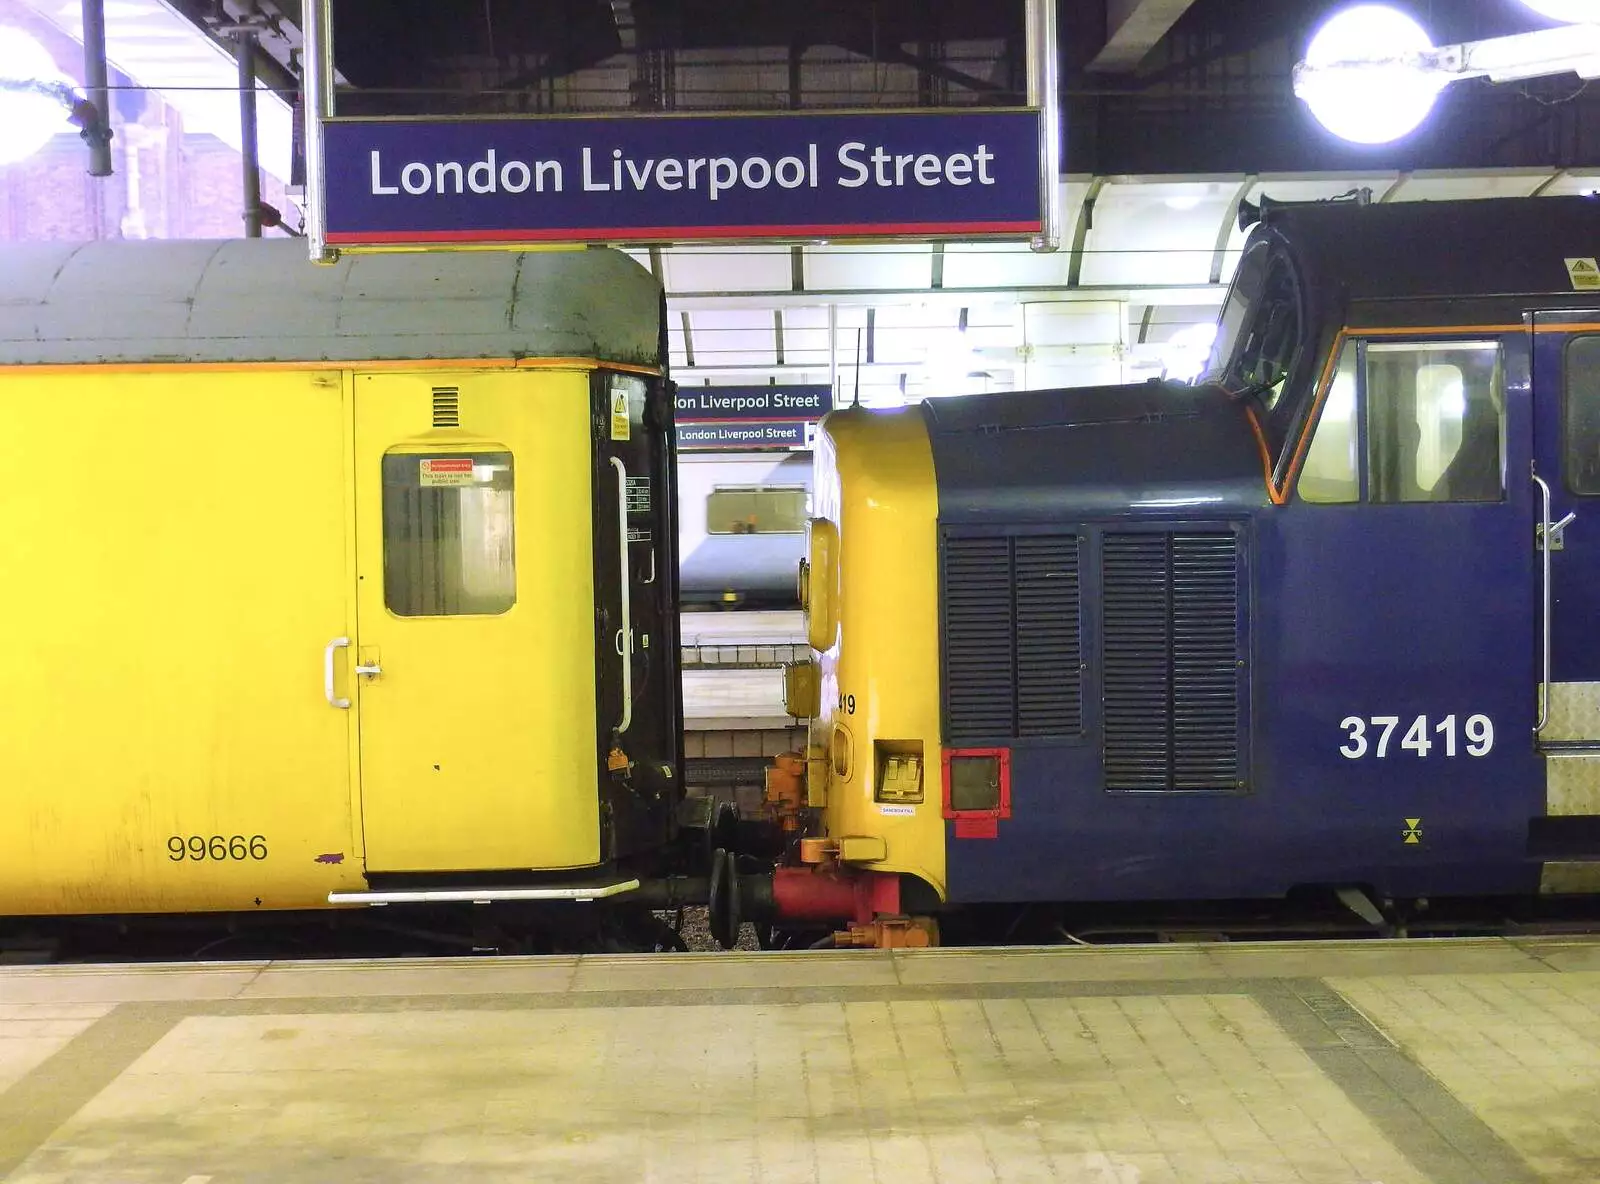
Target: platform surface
(1400, 1062)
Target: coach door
(473, 660)
(1566, 383)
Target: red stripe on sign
(578, 234)
(463, 465)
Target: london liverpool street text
(858, 166)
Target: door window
(1583, 415)
(448, 537)
(1432, 417)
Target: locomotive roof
(262, 300)
(1448, 249)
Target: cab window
(448, 538)
(1332, 469)
(1410, 422)
(1583, 415)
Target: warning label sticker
(447, 470)
(620, 428)
(1585, 273)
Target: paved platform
(1408, 1062)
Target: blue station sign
(733, 417)
(699, 404)
(673, 178)
(732, 437)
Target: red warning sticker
(447, 470)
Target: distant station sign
(739, 417)
(735, 437)
(411, 182)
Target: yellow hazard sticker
(1413, 831)
(1585, 273)
(621, 429)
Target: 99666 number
(217, 847)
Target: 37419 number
(218, 847)
(1371, 735)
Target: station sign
(737, 437)
(511, 181)
(740, 417)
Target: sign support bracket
(316, 84)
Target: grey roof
(262, 300)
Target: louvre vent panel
(446, 407)
(1013, 653)
(977, 629)
(1048, 647)
(1137, 678)
(1172, 662)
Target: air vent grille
(978, 672)
(1174, 676)
(1012, 638)
(446, 407)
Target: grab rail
(625, 634)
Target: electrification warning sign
(1585, 273)
(620, 424)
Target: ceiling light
(1361, 77)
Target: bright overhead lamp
(1574, 12)
(1371, 74)
(1185, 354)
(32, 90)
(1360, 77)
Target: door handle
(1553, 535)
(1545, 532)
(338, 643)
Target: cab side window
(1411, 422)
(1583, 415)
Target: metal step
(572, 892)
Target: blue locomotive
(1324, 619)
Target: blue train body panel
(1392, 724)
